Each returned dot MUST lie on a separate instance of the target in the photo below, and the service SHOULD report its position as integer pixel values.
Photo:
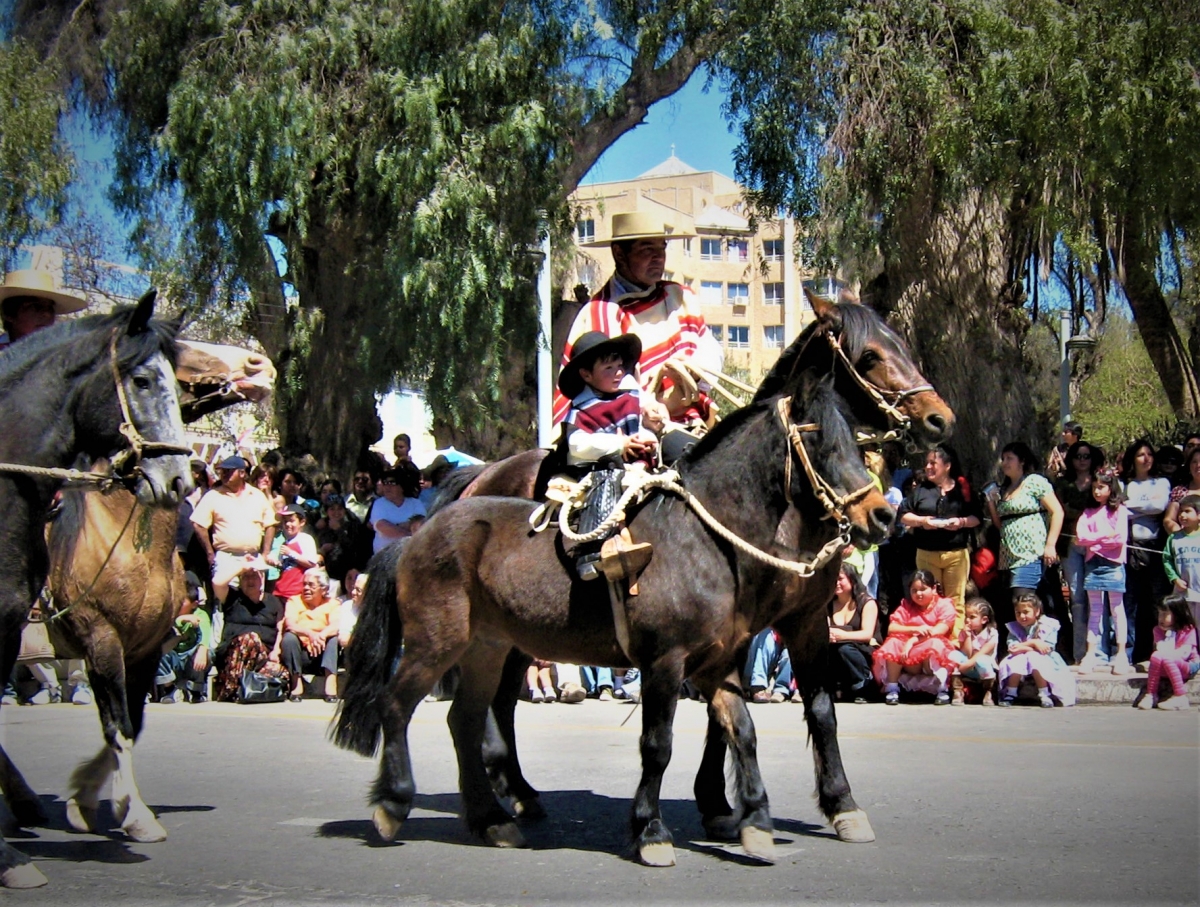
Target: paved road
(1087, 805)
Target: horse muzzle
(871, 520)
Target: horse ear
(142, 313)
(820, 305)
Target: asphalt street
(1095, 804)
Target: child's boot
(956, 690)
(988, 685)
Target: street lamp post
(1068, 343)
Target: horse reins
(834, 504)
(138, 449)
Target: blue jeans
(767, 657)
(595, 678)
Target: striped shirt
(597, 424)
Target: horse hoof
(24, 876)
(386, 825)
(530, 809)
(758, 844)
(504, 835)
(854, 827)
(145, 831)
(721, 828)
(28, 813)
(658, 853)
(80, 817)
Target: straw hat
(638, 225)
(41, 285)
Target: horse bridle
(127, 462)
(835, 505)
(887, 401)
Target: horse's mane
(452, 486)
(857, 323)
(68, 519)
(85, 339)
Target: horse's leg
(728, 709)
(660, 691)
(482, 665)
(139, 823)
(500, 742)
(393, 790)
(721, 821)
(22, 801)
(814, 677)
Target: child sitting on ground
(603, 428)
(976, 655)
(1031, 640)
(186, 663)
(1175, 654)
(918, 642)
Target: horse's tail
(371, 658)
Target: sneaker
(536, 695)
(549, 696)
(82, 695)
(779, 696)
(1175, 704)
(796, 697)
(892, 697)
(46, 696)
(605, 695)
(1146, 703)
(170, 696)
(942, 698)
(1007, 698)
(197, 697)
(1121, 666)
(10, 696)
(572, 693)
(1045, 701)
(620, 694)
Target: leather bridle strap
(126, 461)
(886, 400)
(834, 504)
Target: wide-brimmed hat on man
(40, 285)
(591, 347)
(639, 225)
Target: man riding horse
(663, 314)
(29, 302)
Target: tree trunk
(325, 404)
(1137, 261)
(947, 292)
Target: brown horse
(476, 581)
(115, 575)
(885, 392)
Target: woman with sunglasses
(1074, 491)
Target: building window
(773, 249)
(773, 335)
(585, 230)
(773, 293)
(687, 246)
(738, 293)
(668, 275)
(710, 250)
(739, 336)
(739, 250)
(718, 332)
(710, 292)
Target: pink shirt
(1103, 532)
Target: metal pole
(545, 364)
(1064, 369)
(791, 286)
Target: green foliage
(35, 164)
(1122, 399)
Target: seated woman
(310, 628)
(854, 632)
(250, 640)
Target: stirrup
(622, 558)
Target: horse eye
(141, 382)
(868, 360)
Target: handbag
(257, 687)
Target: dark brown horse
(476, 581)
(873, 371)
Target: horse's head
(826, 464)
(129, 410)
(874, 371)
(876, 364)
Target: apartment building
(746, 276)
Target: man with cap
(636, 300)
(234, 522)
(29, 302)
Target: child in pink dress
(918, 643)
(1175, 654)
